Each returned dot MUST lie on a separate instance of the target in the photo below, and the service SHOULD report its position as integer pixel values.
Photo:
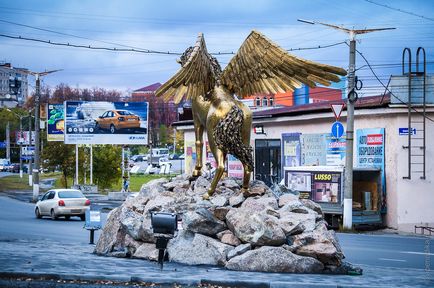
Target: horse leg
(245, 134)
(198, 131)
(220, 160)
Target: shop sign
(371, 154)
(291, 153)
(313, 149)
(235, 167)
(326, 186)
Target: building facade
(300, 138)
(10, 78)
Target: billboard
(103, 122)
(291, 149)
(22, 137)
(55, 122)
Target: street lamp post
(349, 155)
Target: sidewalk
(75, 261)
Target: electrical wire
(400, 10)
(146, 51)
(385, 87)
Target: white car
(62, 203)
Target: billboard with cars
(103, 122)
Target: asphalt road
(17, 221)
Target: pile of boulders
(253, 232)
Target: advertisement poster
(23, 137)
(299, 181)
(102, 122)
(313, 149)
(370, 154)
(190, 156)
(27, 152)
(235, 167)
(291, 153)
(336, 149)
(209, 156)
(55, 122)
(326, 186)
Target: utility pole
(30, 169)
(21, 146)
(38, 76)
(351, 99)
(8, 141)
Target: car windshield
(70, 194)
(124, 112)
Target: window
(51, 195)
(45, 196)
(70, 194)
(258, 101)
(265, 101)
(271, 101)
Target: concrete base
(35, 192)
(30, 180)
(120, 196)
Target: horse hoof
(196, 173)
(205, 196)
(245, 192)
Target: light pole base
(35, 192)
(348, 214)
(30, 180)
(21, 173)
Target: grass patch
(15, 183)
(136, 181)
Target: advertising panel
(336, 149)
(291, 153)
(235, 167)
(318, 183)
(190, 156)
(55, 122)
(326, 186)
(27, 152)
(101, 122)
(370, 154)
(22, 138)
(313, 149)
(299, 181)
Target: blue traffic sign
(2, 144)
(337, 129)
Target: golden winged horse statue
(259, 66)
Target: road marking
(417, 253)
(395, 260)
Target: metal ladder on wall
(416, 148)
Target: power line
(385, 87)
(400, 10)
(145, 51)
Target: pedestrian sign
(337, 110)
(337, 129)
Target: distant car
(5, 164)
(62, 203)
(173, 156)
(140, 158)
(14, 168)
(116, 120)
(182, 156)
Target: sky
(172, 26)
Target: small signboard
(2, 144)
(337, 110)
(93, 220)
(404, 131)
(337, 129)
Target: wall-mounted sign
(258, 129)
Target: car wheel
(37, 214)
(112, 129)
(53, 215)
(67, 217)
(83, 217)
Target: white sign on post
(337, 110)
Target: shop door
(267, 161)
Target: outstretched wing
(261, 66)
(193, 79)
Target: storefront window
(265, 102)
(271, 101)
